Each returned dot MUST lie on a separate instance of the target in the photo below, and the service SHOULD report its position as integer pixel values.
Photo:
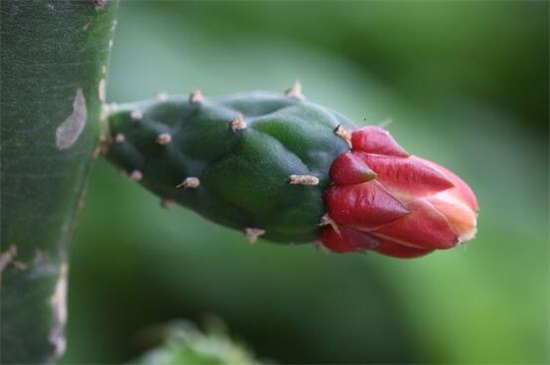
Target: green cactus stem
(257, 162)
(54, 64)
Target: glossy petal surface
(412, 206)
(409, 176)
(463, 192)
(376, 140)
(348, 168)
(346, 240)
(394, 249)
(424, 227)
(364, 206)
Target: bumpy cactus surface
(261, 163)
(54, 62)
(255, 162)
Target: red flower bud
(384, 199)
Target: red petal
(376, 140)
(424, 227)
(462, 191)
(390, 248)
(407, 176)
(347, 240)
(349, 169)
(364, 206)
(462, 219)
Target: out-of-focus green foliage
(466, 85)
(184, 344)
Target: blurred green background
(465, 83)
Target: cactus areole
(284, 169)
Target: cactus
(54, 63)
(255, 162)
(272, 165)
(279, 167)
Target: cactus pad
(257, 162)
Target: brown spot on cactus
(343, 133)
(164, 139)
(189, 183)
(101, 92)
(20, 265)
(295, 91)
(58, 305)
(238, 124)
(252, 234)
(136, 175)
(120, 138)
(303, 180)
(136, 115)
(68, 132)
(7, 256)
(327, 221)
(196, 96)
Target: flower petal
(350, 169)
(407, 177)
(462, 191)
(462, 219)
(424, 227)
(394, 249)
(376, 140)
(346, 240)
(364, 206)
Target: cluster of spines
(238, 123)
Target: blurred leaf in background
(185, 344)
(466, 84)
